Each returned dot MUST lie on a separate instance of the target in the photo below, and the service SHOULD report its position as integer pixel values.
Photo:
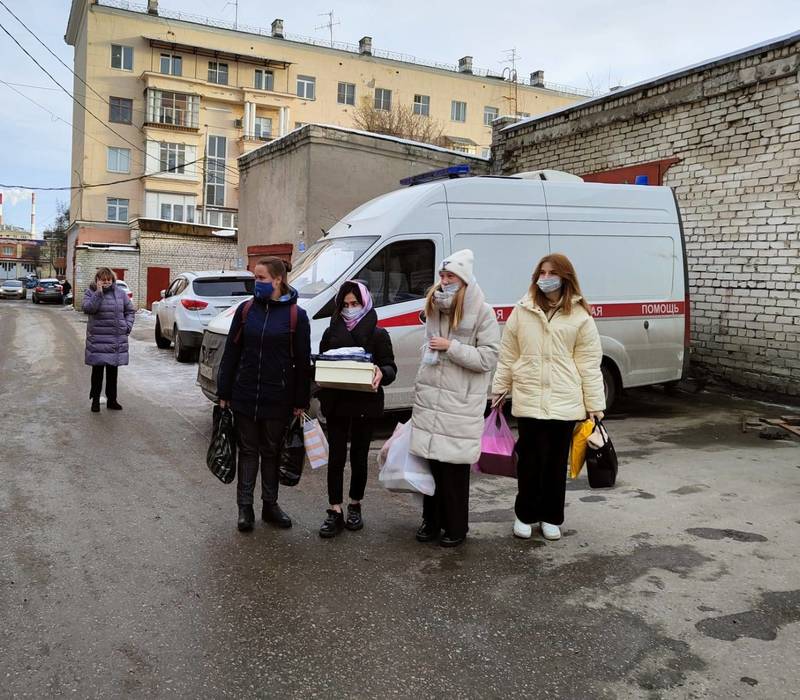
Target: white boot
(551, 532)
(522, 530)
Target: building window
(215, 171)
(265, 80)
(217, 73)
(121, 57)
(299, 125)
(486, 153)
(173, 108)
(306, 87)
(224, 219)
(117, 209)
(383, 99)
(346, 94)
(172, 158)
(8, 251)
(170, 207)
(171, 65)
(262, 128)
(118, 160)
(422, 105)
(489, 115)
(120, 110)
(458, 111)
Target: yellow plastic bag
(577, 450)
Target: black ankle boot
(427, 532)
(333, 524)
(354, 520)
(95, 405)
(246, 518)
(113, 405)
(272, 513)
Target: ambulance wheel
(610, 384)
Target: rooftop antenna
(512, 59)
(235, 4)
(330, 25)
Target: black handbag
(601, 462)
(221, 455)
(293, 454)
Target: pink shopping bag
(497, 447)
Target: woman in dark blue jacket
(264, 377)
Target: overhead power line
(99, 184)
(69, 94)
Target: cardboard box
(345, 374)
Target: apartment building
(166, 103)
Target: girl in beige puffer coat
(550, 364)
(450, 394)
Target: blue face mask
(264, 290)
(550, 284)
(451, 288)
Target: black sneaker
(333, 524)
(246, 518)
(354, 520)
(113, 406)
(427, 532)
(95, 406)
(448, 541)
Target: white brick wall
(88, 260)
(736, 130)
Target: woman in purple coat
(111, 317)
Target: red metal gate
(157, 279)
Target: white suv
(190, 302)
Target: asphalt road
(122, 573)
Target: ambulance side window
(402, 271)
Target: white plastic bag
(315, 442)
(403, 472)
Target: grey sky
(577, 42)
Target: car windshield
(12, 283)
(223, 287)
(48, 283)
(325, 262)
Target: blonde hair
(569, 279)
(457, 312)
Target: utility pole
(235, 4)
(330, 25)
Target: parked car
(124, 285)
(13, 289)
(29, 281)
(626, 242)
(190, 302)
(48, 290)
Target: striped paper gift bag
(315, 442)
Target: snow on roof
(666, 77)
(384, 137)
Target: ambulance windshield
(325, 262)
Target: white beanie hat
(459, 263)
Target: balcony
(172, 110)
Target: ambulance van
(626, 242)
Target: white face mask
(451, 288)
(549, 284)
(352, 312)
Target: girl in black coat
(354, 324)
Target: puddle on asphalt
(710, 533)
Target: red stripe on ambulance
(599, 311)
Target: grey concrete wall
(311, 178)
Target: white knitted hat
(460, 263)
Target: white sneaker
(551, 532)
(522, 530)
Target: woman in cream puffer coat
(550, 368)
(450, 394)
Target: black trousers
(448, 508)
(97, 382)
(259, 444)
(543, 451)
(359, 431)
